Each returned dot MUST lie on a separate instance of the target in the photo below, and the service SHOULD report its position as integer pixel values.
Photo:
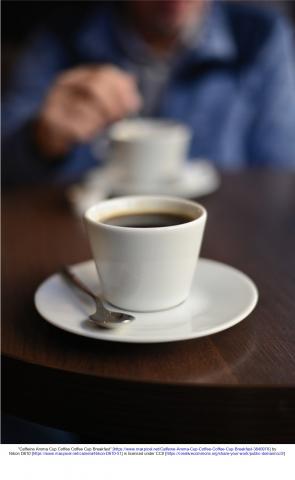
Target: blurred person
(225, 70)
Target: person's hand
(81, 103)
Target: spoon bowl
(109, 319)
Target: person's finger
(82, 120)
(99, 98)
(116, 95)
(126, 94)
(112, 90)
(85, 120)
(81, 103)
(84, 73)
(72, 76)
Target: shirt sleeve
(272, 135)
(31, 77)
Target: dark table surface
(234, 386)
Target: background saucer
(221, 297)
(197, 178)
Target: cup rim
(148, 230)
(179, 129)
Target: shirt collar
(215, 40)
(98, 39)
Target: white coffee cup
(148, 151)
(145, 268)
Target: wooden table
(234, 386)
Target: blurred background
(22, 17)
(229, 75)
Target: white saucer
(221, 297)
(197, 178)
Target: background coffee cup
(148, 151)
(145, 269)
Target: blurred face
(165, 18)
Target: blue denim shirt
(234, 86)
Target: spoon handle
(71, 277)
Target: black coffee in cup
(147, 219)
